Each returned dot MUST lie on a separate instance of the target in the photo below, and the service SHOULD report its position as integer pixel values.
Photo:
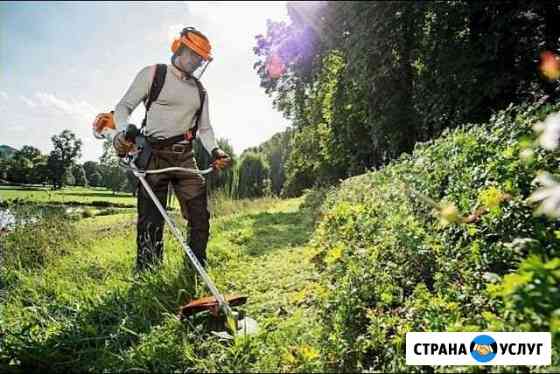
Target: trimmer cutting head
(236, 323)
(210, 304)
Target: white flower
(548, 195)
(549, 131)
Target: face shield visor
(198, 55)
(195, 64)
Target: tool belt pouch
(143, 158)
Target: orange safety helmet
(195, 40)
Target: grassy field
(67, 196)
(219, 204)
(84, 310)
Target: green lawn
(86, 312)
(68, 196)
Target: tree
(223, 180)
(22, 165)
(40, 172)
(68, 177)
(93, 174)
(113, 176)
(80, 178)
(253, 176)
(365, 81)
(19, 169)
(67, 148)
(29, 152)
(4, 168)
(277, 150)
(131, 184)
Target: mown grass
(84, 310)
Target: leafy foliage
(364, 81)
(391, 266)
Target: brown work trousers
(190, 190)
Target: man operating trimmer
(176, 113)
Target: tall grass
(220, 204)
(86, 311)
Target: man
(173, 119)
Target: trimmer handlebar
(137, 161)
(128, 163)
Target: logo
(478, 348)
(483, 348)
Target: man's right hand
(121, 145)
(221, 160)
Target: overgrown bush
(390, 265)
(313, 200)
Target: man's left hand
(221, 160)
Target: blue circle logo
(483, 348)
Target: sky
(61, 63)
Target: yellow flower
(309, 353)
(491, 197)
(334, 254)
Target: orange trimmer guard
(211, 304)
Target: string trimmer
(218, 305)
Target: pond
(24, 214)
(7, 221)
(21, 215)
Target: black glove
(131, 133)
(121, 145)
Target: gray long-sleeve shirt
(173, 112)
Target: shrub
(392, 266)
(313, 201)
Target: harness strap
(155, 89)
(191, 133)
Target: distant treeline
(259, 171)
